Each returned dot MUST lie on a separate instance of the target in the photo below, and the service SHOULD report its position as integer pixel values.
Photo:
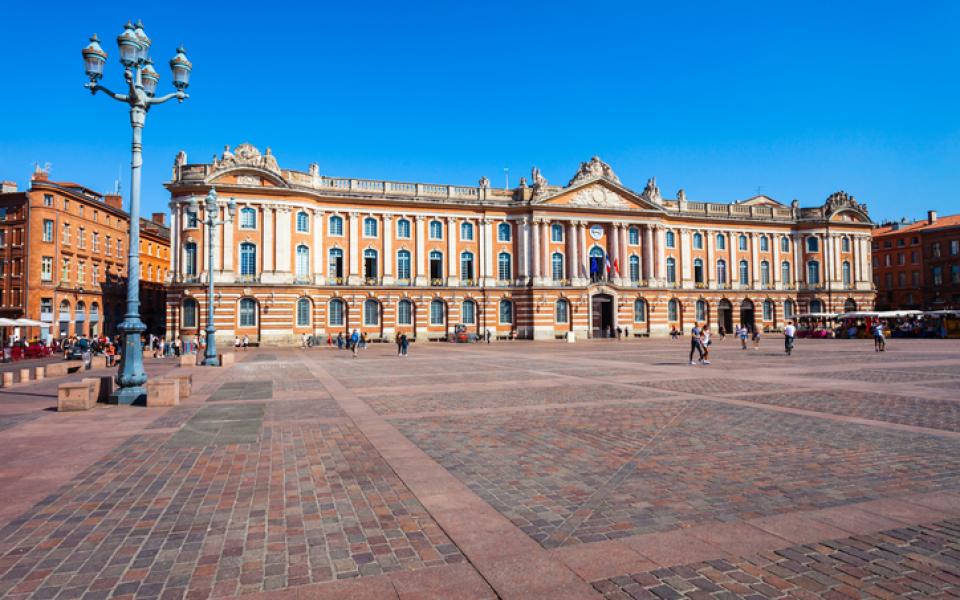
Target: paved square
(599, 469)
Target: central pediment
(599, 193)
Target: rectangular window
(107, 246)
(955, 274)
(66, 234)
(915, 278)
(80, 272)
(96, 242)
(65, 270)
(46, 268)
(937, 276)
(81, 238)
(119, 247)
(48, 199)
(954, 247)
(47, 230)
(935, 249)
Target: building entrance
(746, 314)
(725, 315)
(602, 311)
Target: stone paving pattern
(527, 470)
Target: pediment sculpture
(599, 197)
(841, 200)
(592, 169)
(246, 155)
(651, 193)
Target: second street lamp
(142, 81)
(211, 211)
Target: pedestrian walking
(363, 341)
(742, 334)
(400, 344)
(722, 332)
(696, 344)
(789, 333)
(705, 344)
(879, 341)
(245, 342)
(674, 334)
(756, 338)
(486, 334)
(236, 343)
(404, 345)
(355, 342)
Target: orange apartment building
(64, 249)
(312, 254)
(917, 265)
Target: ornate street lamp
(210, 212)
(142, 80)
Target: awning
(30, 323)
(817, 316)
(7, 322)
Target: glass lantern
(150, 78)
(181, 68)
(94, 58)
(143, 40)
(129, 46)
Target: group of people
(700, 340)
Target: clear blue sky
(795, 101)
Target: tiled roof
(940, 223)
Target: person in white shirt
(789, 333)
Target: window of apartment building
(845, 244)
(48, 200)
(633, 236)
(436, 230)
(887, 244)
(742, 242)
(764, 243)
(107, 246)
(888, 278)
(671, 240)
(901, 259)
(915, 278)
(65, 270)
(96, 216)
(81, 272)
(901, 279)
(96, 273)
(954, 247)
(403, 264)
(81, 238)
(698, 241)
(886, 260)
(66, 234)
(46, 310)
(119, 247)
(46, 268)
(915, 241)
(3, 237)
(466, 232)
(248, 218)
(370, 227)
(96, 242)
(303, 222)
(813, 244)
(901, 243)
(503, 232)
(335, 225)
(914, 257)
(80, 208)
(47, 230)
(403, 229)
(955, 274)
(66, 205)
(935, 249)
(556, 233)
(190, 258)
(784, 244)
(937, 273)
(813, 272)
(721, 242)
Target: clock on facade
(596, 231)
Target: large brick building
(63, 256)
(917, 265)
(312, 254)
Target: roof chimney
(113, 200)
(8, 187)
(931, 217)
(159, 218)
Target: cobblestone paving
(299, 410)
(715, 464)
(905, 410)
(913, 562)
(311, 502)
(175, 418)
(892, 375)
(515, 396)
(708, 385)
(8, 421)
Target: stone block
(185, 382)
(188, 360)
(24, 374)
(55, 369)
(101, 387)
(7, 378)
(38, 373)
(74, 366)
(163, 392)
(226, 359)
(75, 396)
(98, 362)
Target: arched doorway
(725, 315)
(601, 306)
(850, 305)
(598, 269)
(746, 314)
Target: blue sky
(794, 101)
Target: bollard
(7, 378)
(24, 374)
(39, 373)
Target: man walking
(355, 342)
(879, 341)
(696, 344)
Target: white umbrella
(7, 322)
(30, 323)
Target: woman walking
(404, 344)
(696, 344)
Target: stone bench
(101, 387)
(75, 396)
(7, 378)
(98, 362)
(227, 359)
(61, 369)
(188, 360)
(163, 392)
(185, 383)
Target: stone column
(388, 258)
(754, 261)
(584, 255)
(573, 272)
(710, 265)
(421, 258)
(175, 235)
(228, 250)
(546, 272)
(353, 273)
(733, 266)
(686, 261)
(269, 261)
(647, 235)
(535, 252)
(487, 251)
(523, 248)
(799, 274)
(661, 253)
(624, 254)
(283, 237)
(453, 260)
(318, 254)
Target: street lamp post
(142, 81)
(210, 213)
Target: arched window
(671, 270)
(698, 270)
(303, 312)
(849, 305)
(816, 306)
(506, 311)
(633, 236)
(562, 312)
(556, 266)
(701, 310)
(466, 231)
(468, 312)
(845, 244)
(742, 242)
(65, 318)
(466, 266)
(789, 308)
(784, 244)
(403, 264)
(785, 272)
(336, 263)
(764, 243)
(248, 259)
(813, 272)
(764, 272)
(405, 312)
(248, 312)
(504, 267)
(671, 239)
(370, 227)
(673, 311)
(403, 229)
(436, 265)
(768, 310)
(371, 312)
(189, 316)
(437, 312)
(303, 261)
(639, 310)
(248, 218)
(721, 242)
(634, 264)
(303, 222)
(813, 244)
(335, 225)
(698, 241)
(503, 232)
(722, 271)
(436, 230)
(335, 312)
(597, 263)
(190, 258)
(845, 273)
(370, 267)
(556, 232)
(744, 273)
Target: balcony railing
(248, 279)
(371, 281)
(335, 280)
(436, 282)
(468, 282)
(405, 281)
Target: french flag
(608, 265)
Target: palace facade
(311, 254)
